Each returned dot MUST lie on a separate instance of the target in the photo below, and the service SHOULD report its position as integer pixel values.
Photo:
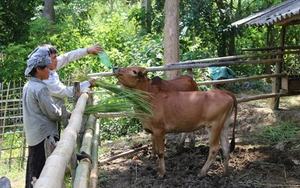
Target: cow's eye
(134, 71)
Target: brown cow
(189, 111)
(179, 83)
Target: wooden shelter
(283, 15)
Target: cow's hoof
(152, 157)
(201, 176)
(180, 149)
(160, 176)
(192, 146)
(225, 174)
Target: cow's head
(131, 77)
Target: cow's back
(179, 83)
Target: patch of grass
(14, 173)
(103, 177)
(103, 149)
(283, 132)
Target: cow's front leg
(160, 146)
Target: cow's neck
(144, 86)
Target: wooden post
(76, 91)
(189, 72)
(274, 102)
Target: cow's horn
(145, 71)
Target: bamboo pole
(232, 80)
(271, 48)
(53, 172)
(4, 121)
(83, 170)
(11, 100)
(94, 170)
(265, 96)
(82, 180)
(13, 137)
(192, 64)
(123, 154)
(112, 115)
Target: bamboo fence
(53, 172)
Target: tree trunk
(48, 11)
(222, 39)
(146, 24)
(231, 49)
(171, 36)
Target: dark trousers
(35, 163)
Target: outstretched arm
(74, 55)
(59, 90)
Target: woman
(40, 114)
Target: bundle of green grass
(132, 102)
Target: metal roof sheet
(273, 15)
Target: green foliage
(14, 64)
(41, 29)
(15, 20)
(12, 146)
(2, 27)
(114, 128)
(75, 12)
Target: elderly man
(40, 113)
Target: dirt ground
(252, 164)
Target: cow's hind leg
(225, 147)
(182, 140)
(160, 146)
(191, 138)
(214, 147)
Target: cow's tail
(232, 143)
